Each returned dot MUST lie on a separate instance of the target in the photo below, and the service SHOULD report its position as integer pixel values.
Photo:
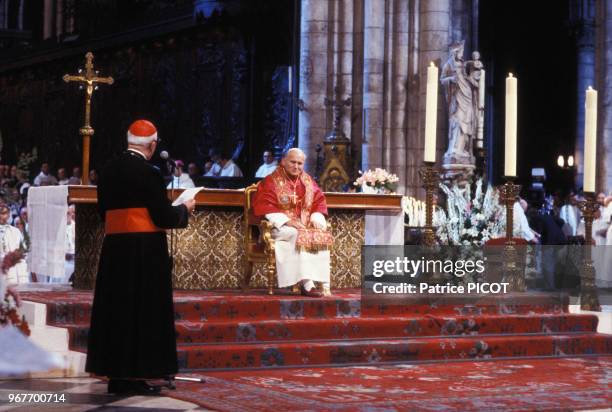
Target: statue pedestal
(457, 173)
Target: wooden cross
(89, 80)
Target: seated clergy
(180, 180)
(269, 165)
(291, 200)
(228, 167)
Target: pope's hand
(317, 225)
(295, 224)
(190, 205)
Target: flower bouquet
(377, 181)
(471, 220)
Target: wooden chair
(258, 242)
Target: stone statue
(460, 80)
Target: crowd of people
(558, 220)
(14, 225)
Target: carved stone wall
(376, 52)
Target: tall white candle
(510, 155)
(289, 79)
(590, 139)
(431, 113)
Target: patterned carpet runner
(513, 385)
(231, 329)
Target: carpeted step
(379, 351)
(360, 328)
(251, 308)
(376, 327)
(63, 307)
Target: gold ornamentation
(210, 251)
(512, 272)
(589, 300)
(430, 177)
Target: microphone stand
(172, 169)
(170, 380)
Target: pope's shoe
(312, 293)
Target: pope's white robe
(11, 239)
(293, 266)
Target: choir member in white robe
(229, 169)
(571, 216)
(180, 180)
(11, 239)
(269, 165)
(520, 227)
(291, 200)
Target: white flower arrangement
(414, 210)
(471, 221)
(378, 179)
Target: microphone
(164, 155)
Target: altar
(209, 253)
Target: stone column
(396, 92)
(583, 17)
(373, 79)
(604, 155)
(434, 23)
(48, 19)
(313, 77)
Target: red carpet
(518, 385)
(232, 329)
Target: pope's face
(293, 164)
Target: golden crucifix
(90, 81)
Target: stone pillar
(47, 19)
(583, 18)
(313, 77)
(326, 66)
(433, 42)
(604, 155)
(373, 79)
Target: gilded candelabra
(431, 178)
(512, 272)
(588, 293)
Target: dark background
(534, 40)
(213, 73)
(207, 73)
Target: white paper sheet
(187, 194)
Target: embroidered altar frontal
(209, 253)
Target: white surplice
(293, 266)
(11, 239)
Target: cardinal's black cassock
(132, 323)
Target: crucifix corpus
(89, 81)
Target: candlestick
(430, 177)
(588, 293)
(512, 272)
(590, 140)
(511, 106)
(431, 113)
